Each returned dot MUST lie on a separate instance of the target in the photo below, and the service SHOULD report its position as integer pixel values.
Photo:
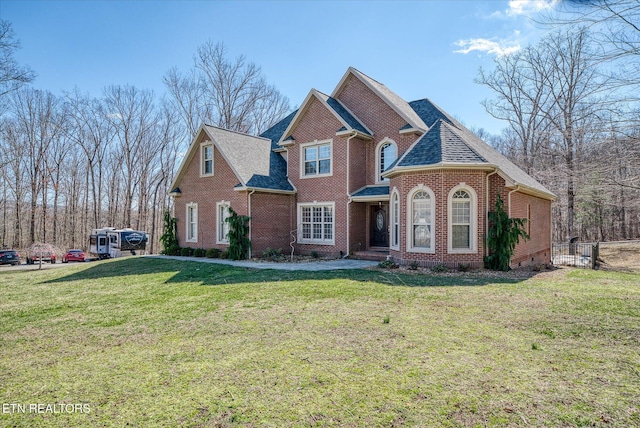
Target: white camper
(110, 242)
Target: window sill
(462, 251)
(302, 177)
(317, 242)
(421, 250)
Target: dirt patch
(621, 256)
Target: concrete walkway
(306, 266)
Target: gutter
(261, 189)
(436, 167)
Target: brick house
(356, 172)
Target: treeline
(73, 162)
(571, 105)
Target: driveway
(35, 266)
(306, 266)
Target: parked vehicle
(41, 255)
(73, 256)
(110, 242)
(9, 257)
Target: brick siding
(275, 215)
(206, 192)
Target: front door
(379, 226)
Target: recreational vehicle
(110, 242)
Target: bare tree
(90, 130)
(133, 116)
(12, 75)
(35, 112)
(575, 85)
(552, 96)
(615, 23)
(231, 94)
(187, 99)
(14, 174)
(522, 93)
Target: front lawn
(149, 342)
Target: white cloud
(499, 48)
(529, 7)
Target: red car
(73, 256)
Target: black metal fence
(578, 254)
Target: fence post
(595, 253)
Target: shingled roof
(277, 178)
(246, 154)
(441, 144)
(371, 192)
(448, 143)
(251, 158)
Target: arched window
(462, 220)
(386, 154)
(395, 220)
(420, 220)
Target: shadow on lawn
(218, 274)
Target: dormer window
(386, 154)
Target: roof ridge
(320, 92)
(370, 78)
(246, 134)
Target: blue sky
(418, 49)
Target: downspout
(250, 221)
(348, 191)
(486, 227)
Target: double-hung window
(222, 228)
(463, 221)
(317, 224)
(316, 159)
(206, 159)
(192, 222)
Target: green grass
(149, 342)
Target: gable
(246, 155)
(314, 121)
(360, 93)
(347, 121)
